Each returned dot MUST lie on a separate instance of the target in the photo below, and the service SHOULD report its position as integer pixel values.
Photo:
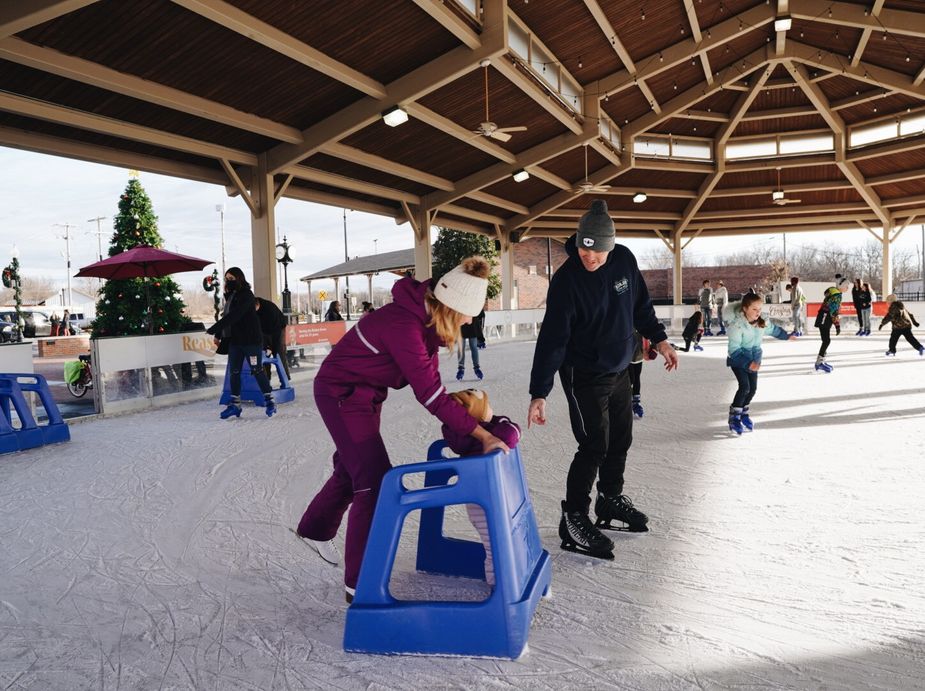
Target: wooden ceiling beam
(323, 177)
(550, 178)
(19, 15)
(848, 169)
(429, 117)
(705, 115)
(794, 112)
(783, 222)
(791, 210)
(780, 42)
(681, 51)
(86, 72)
(309, 195)
(407, 88)
(354, 155)
(859, 99)
(901, 176)
(865, 72)
(540, 94)
(70, 117)
(766, 189)
(505, 204)
(105, 155)
(692, 96)
(899, 22)
(450, 21)
(738, 111)
(611, 35)
(622, 213)
(905, 201)
(650, 192)
(230, 17)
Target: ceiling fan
(778, 197)
(586, 186)
(488, 128)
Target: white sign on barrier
(16, 358)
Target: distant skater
(825, 320)
(902, 321)
(693, 331)
(746, 328)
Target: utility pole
(346, 278)
(67, 245)
(99, 234)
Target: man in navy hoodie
(595, 301)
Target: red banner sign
(309, 334)
(847, 309)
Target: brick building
(530, 272)
(738, 279)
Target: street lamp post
(282, 256)
(346, 278)
(67, 246)
(221, 210)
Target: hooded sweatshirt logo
(621, 286)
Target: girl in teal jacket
(745, 329)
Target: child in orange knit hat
(475, 401)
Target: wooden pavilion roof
(211, 89)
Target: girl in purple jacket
(392, 347)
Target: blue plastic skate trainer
(26, 433)
(496, 627)
(250, 390)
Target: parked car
(80, 321)
(6, 331)
(38, 322)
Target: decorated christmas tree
(123, 307)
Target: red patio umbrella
(143, 262)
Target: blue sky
(38, 191)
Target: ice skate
(233, 409)
(349, 593)
(270, 404)
(478, 373)
(619, 508)
(746, 420)
(922, 351)
(459, 374)
(735, 421)
(698, 348)
(823, 366)
(891, 353)
(722, 332)
(578, 535)
(637, 407)
(707, 332)
(327, 550)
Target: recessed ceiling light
(640, 197)
(521, 175)
(395, 116)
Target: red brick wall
(738, 279)
(531, 289)
(63, 346)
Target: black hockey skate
(619, 508)
(578, 535)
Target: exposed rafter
(834, 120)
(450, 21)
(898, 22)
(19, 15)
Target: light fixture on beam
(776, 195)
(640, 197)
(395, 116)
(783, 23)
(520, 175)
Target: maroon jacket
(389, 349)
(467, 445)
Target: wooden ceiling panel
(195, 56)
(626, 106)
(684, 127)
(624, 203)
(903, 54)
(913, 159)
(648, 27)
(729, 59)
(49, 88)
(372, 38)
(841, 87)
(661, 179)
(756, 205)
(422, 147)
(832, 40)
(482, 207)
(570, 32)
(780, 125)
(895, 104)
(463, 102)
(338, 192)
(676, 81)
(788, 176)
(897, 190)
(772, 99)
(712, 13)
(721, 102)
(570, 165)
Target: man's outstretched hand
(536, 414)
(667, 352)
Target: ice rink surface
(153, 551)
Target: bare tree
(660, 257)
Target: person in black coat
(333, 314)
(240, 328)
(273, 325)
(472, 336)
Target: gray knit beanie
(595, 229)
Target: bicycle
(78, 376)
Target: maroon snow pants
(351, 415)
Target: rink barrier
(250, 390)
(496, 627)
(29, 434)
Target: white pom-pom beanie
(464, 287)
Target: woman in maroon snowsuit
(392, 347)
